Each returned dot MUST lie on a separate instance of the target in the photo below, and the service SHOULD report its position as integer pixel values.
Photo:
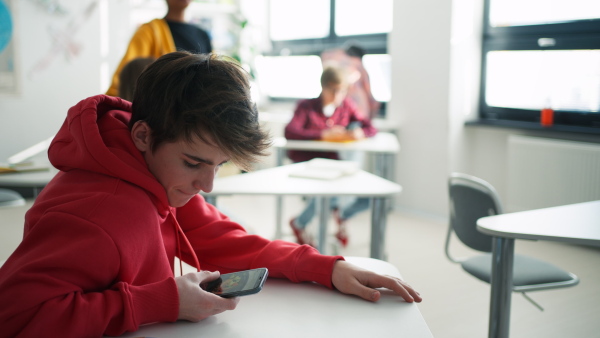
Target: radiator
(545, 172)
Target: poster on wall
(8, 73)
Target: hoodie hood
(83, 143)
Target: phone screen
(354, 125)
(239, 283)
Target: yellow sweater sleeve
(152, 39)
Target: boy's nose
(204, 181)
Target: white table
(9, 198)
(386, 125)
(277, 182)
(575, 223)
(383, 145)
(286, 309)
(36, 180)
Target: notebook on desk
(325, 169)
(9, 169)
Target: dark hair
(182, 95)
(355, 50)
(129, 75)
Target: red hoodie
(99, 242)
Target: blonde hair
(333, 75)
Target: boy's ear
(141, 134)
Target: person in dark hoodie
(100, 241)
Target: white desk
(9, 198)
(276, 181)
(286, 309)
(386, 125)
(383, 145)
(575, 223)
(36, 180)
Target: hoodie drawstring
(179, 233)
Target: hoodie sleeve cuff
(156, 302)
(316, 267)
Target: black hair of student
(357, 51)
(129, 75)
(183, 95)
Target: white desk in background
(286, 309)
(386, 125)
(384, 146)
(277, 182)
(575, 223)
(35, 180)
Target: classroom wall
(420, 49)
(60, 59)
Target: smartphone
(354, 125)
(239, 283)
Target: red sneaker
(342, 234)
(302, 237)
(342, 237)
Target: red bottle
(547, 117)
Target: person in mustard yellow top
(162, 36)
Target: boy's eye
(190, 165)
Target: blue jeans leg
(358, 205)
(307, 214)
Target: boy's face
(183, 169)
(334, 93)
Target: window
(301, 30)
(542, 54)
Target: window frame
(580, 34)
(372, 43)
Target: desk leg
(279, 155)
(378, 226)
(379, 165)
(323, 213)
(502, 275)
(279, 199)
(278, 216)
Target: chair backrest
(470, 199)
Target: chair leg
(532, 301)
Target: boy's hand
(196, 304)
(350, 279)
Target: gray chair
(9, 198)
(472, 198)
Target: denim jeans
(347, 210)
(349, 207)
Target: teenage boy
(99, 244)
